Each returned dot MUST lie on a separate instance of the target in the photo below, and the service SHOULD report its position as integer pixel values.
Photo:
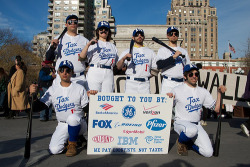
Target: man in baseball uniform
(68, 48)
(102, 57)
(69, 99)
(139, 65)
(171, 63)
(188, 100)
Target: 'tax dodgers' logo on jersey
(63, 104)
(139, 59)
(71, 49)
(193, 104)
(106, 54)
(178, 60)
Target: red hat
(47, 62)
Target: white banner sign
(210, 80)
(129, 124)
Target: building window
(66, 2)
(56, 26)
(57, 8)
(65, 14)
(104, 12)
(57, 20)
(56, 32)
(58, 2)
(179, 10)
(74, 7)
(57, 14)
(74, 2)
(66, 8)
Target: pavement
(234, 148)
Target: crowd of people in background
(71, 54)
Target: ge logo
(128, 111)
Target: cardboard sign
(129, 124)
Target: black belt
(100, 66)
(77, 74)
(140, 79)
(173, 79)
(63, 121)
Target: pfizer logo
(128, 111)
(156, 124)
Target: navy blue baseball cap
(103, 24)
(172, 29)
(71, 17)
(138, 30)
(66, 63)
(190, 67)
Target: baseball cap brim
(71, 17)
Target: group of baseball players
(70, 90)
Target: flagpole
(229, 58)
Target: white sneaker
(244, 130)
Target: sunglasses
(68, 70)
(139, 33)
(196, 74)
(172, 33)
(72, 21)
(103, 28)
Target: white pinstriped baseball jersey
(189, 101)
(66, 100)
(144, 59)
(68, 49)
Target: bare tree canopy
(11, 46)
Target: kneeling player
(189, 99)
(68, 99)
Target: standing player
(68, 48)
(139, 66)
(189, 99)
(171, 63)
(102, 57)
(68, 99)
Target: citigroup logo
(156, 124)
(128, 111)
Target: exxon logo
(103, 139)
(156, 124)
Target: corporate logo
(133, 131)
(118, 124)
(103, 139)
(154, 139)
(102, 123)
(124, 140)
(128, 111)
(156, 124)
(150, 111)
(106, 106)
(194, 104)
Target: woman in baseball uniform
(102, 57)
(69, 99)
(189, 99)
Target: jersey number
(146, 67)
